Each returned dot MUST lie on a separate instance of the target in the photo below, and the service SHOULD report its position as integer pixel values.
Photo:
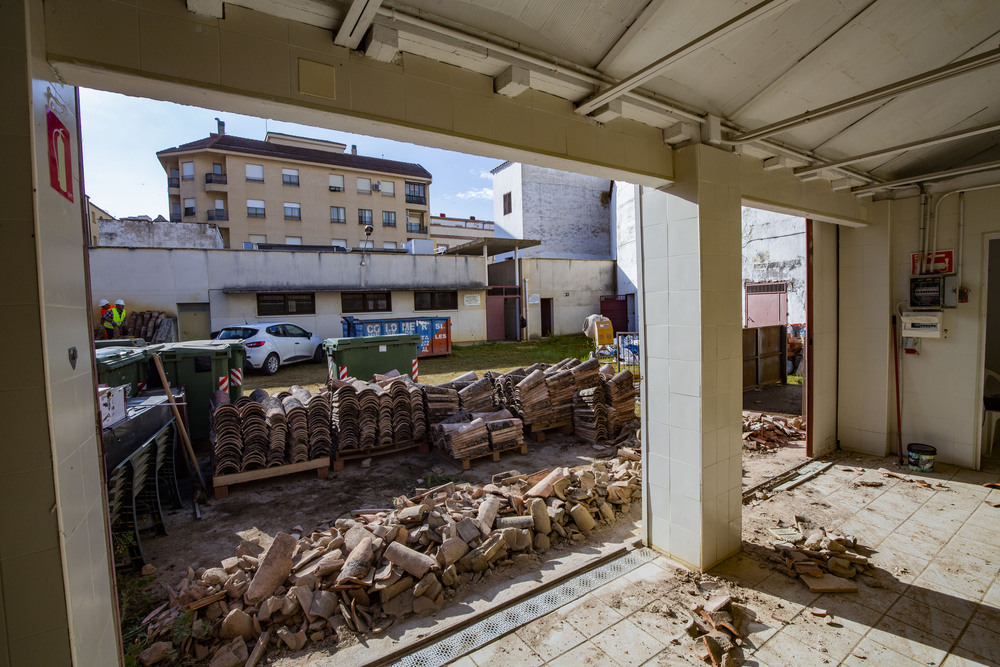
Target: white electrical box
(922, 324)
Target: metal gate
(764, 354)
(501, 317)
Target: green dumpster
(364, 357)
(201, 367)
(120, 342)
(122, 365)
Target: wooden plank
(421, 446)
(495, 455)
(205, 601)
(265, 473)
(804, 475)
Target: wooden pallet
(421, 446)
(223, 482)
(537, 431)
(467, 462)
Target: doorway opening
(775, 334)
(989, 450)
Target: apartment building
(448, 232)
(295, 191)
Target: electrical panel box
(922, 324)
(934, 291)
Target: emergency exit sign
(942, 261)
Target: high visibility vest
(106, 318)
(118, 318)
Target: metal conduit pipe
(923, 226)
(961, 222)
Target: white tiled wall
(691, 279)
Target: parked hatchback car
(271, 345)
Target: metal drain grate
(503, 622)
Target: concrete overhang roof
(493, 246)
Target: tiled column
(692, 396)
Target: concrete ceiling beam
(356, 23)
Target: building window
(293, 240)
(338, 214)
(257, 238)
(339, 243)
(188, 207)
(366, 244)
(255, 173)
(388, 218)
(187, 171)
(290, 177)
(389, 245)
(216, 168)
(507, 207)
(365, 186)
(416, 193)
(415, 222)
(303, 303)
(336, 183)
(174, 180)
(365, 302)
(435, 300)
(175, 212)
(388, 189)
(255, 208)
(292, 211)
(364, 216)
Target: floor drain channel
(483, 632)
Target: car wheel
(318, 356)
(271, 364)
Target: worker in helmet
(106, 321)
(118, 318)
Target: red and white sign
(236, 377)
(329, 367)
(224, 383)
(942, 261)
(343, 372)
(415, 372)
(60, 156)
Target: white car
(274, 344)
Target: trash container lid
(115, 357)
(358, 342)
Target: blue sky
(121, 135)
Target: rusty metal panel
(764, 354)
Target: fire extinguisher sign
(60, 156)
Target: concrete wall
(229, 280)
(508, 180)
(564, 210)
(774, 250)
(139, 234)
(626, 251)
(574, 285)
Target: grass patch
(502, 357)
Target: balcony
(416, 199)
(415, 228)
(173, 182)
(215, 214)
(175, 218)
(215, 182)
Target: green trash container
(120, 342)
(201, 367)
(122, 365)
(364, 357)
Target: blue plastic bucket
(920, 457)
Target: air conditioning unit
(376, 187)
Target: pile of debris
(827, 561)
(154, 326)
(769, 432)
(359, 575)
(719, 627)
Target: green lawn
(482, 357)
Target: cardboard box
(112, 402)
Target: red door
(494, 318)
(615, 308)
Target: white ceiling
(798, 56)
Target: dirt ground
(782, 398)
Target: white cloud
(480, 193)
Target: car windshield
(236, 333)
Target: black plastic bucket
(920, 457)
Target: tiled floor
(939, 550)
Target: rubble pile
(718, 629)
(826, 561)
(360, 575)
(769, 432)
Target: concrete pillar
(56, 600)
(692, 398)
